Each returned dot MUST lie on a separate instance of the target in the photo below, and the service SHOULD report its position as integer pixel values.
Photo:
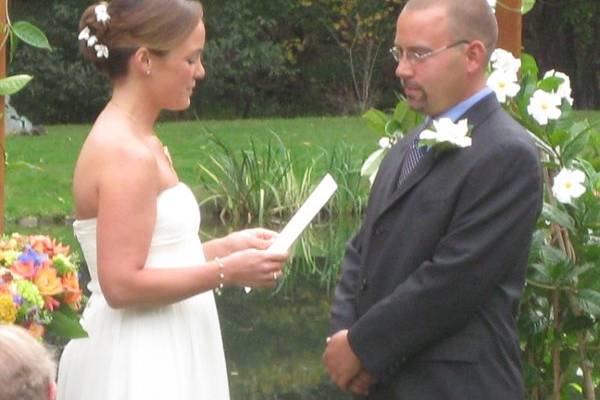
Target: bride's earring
(148, 67)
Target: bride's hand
(253, 238)
(254, 268)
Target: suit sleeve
(343, 309)
(489, 233)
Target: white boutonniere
(446, 135)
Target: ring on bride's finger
(275, 276)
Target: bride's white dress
(168, 352)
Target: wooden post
(510, 25)
(3, 25)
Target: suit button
(363, 285)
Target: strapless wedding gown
(169, 352)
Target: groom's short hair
(467, 19)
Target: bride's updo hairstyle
(110, 32)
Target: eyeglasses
(414, 57)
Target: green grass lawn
(39, 174)
(38, 177)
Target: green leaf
(591, 279)
(580, 133)
(13, 84)
(590, 301)
(411, 120)
(528, 88)
(558, 137)
(376, 120)
(575, 146)
(550, 84)
(575, 324)
(401, 111)
(536, 244)
(31, 35)
(526, 6)
(540, 275)
(589, 169)
(576, 387)
(580, 270)
(393, 128)
(529, 66)
(66, 324)
(591, 218)
(579, 127)
(14, 44)
(590, 172)
(556, 266)
(556, 215)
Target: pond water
(274, 343)
(273, 339)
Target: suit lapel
(389, 178)
(394, 193)
(416, 175)
(398, 154)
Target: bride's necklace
(165, 149)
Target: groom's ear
(476, 56)
(141, 61)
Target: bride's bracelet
(221, 275)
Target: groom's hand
(340, 360)
(361, 383)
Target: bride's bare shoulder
(111, 149)
(112, 142)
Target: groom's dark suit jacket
(431, 282)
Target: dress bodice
(175, 242)
(170, 351)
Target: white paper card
(317, 199)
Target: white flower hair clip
(101, 11)
(84, 34)
(92, 41)
(101, 51)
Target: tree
(565, 35)
(359, 28)
(248, 52)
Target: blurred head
(443, 47)
(160, 41)
(27, 369)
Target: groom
(425, 306)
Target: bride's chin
(182, 106)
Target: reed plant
(265, 184)
(344, 163)
(244, 186)
(318, 254)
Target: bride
(151, 318)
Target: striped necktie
(414, 155)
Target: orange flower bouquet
(39, 286)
